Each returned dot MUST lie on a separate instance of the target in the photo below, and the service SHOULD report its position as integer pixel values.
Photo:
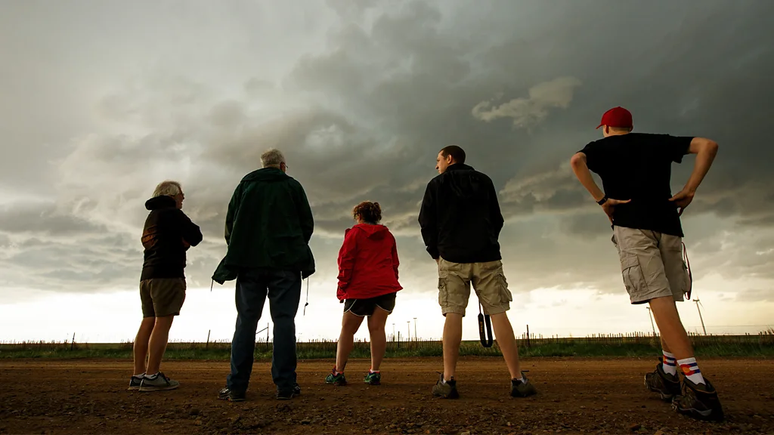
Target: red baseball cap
(617, 117)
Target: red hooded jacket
(368, 263)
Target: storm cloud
(360, 96)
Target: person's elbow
(700, 145)
(578, 160)
(712, 147)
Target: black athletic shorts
(366, 307)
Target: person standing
(636, 169)
(368, 284)
(268, 227)
(166, 236)
(461, 222)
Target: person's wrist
(602, 200)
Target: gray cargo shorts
(651, 264)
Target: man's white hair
(272, 158)
(167, 188)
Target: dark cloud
(362, 110)
(43, 218)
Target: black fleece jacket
(166, 229)
(460, 216)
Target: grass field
(761, 345)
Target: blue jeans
(284, 291)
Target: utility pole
(700, 317)
(408, 323)
(393, 331)
(415, 329)
(650, 314)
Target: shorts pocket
(687, 280)
(443, 297)
(633, 278)
(505, 294)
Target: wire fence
(630, 344)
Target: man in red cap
(635, 169)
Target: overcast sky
(103, 100)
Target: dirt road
(575, 396)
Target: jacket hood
(464, 181)
(160, 202)
(375, 232)
(265, 175)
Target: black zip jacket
(460, 216)
(162, 237)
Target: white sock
(154, 376)
(691, 370)
(139, 376)
(669, 364)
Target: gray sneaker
(158, 382)
(446, 390)
(523, 388)
(134, 382)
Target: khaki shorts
(651, 264)
(162, 297)
(488, 280)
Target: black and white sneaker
(231, 395)
(135, 381)
(157, 382)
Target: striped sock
(669, 364)
(691, 370)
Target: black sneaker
(523, 388)
(446, 390)
(699, 401)
(287, 394)
(666, 385)
(231, 396)
(297, 390)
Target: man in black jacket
(167, 234)
(461, 223)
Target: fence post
(207, 346)
(527, 335)
(72, 343)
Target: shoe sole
(373, 383)
(521, 396)
(152, 389)
(707, 415)
(337, 384)
(286, 398)
(133, 389)
(452, 395)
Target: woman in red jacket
(368, 282)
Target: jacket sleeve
(347, 259)
(191, 232)
(304, 214)
(495, 213)
(395, 261)
(428, 221)
(233, 207)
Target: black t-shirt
(638, 166)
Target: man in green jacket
(268, 227)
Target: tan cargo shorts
(488, 280)
(651, 264)
(162, 297)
